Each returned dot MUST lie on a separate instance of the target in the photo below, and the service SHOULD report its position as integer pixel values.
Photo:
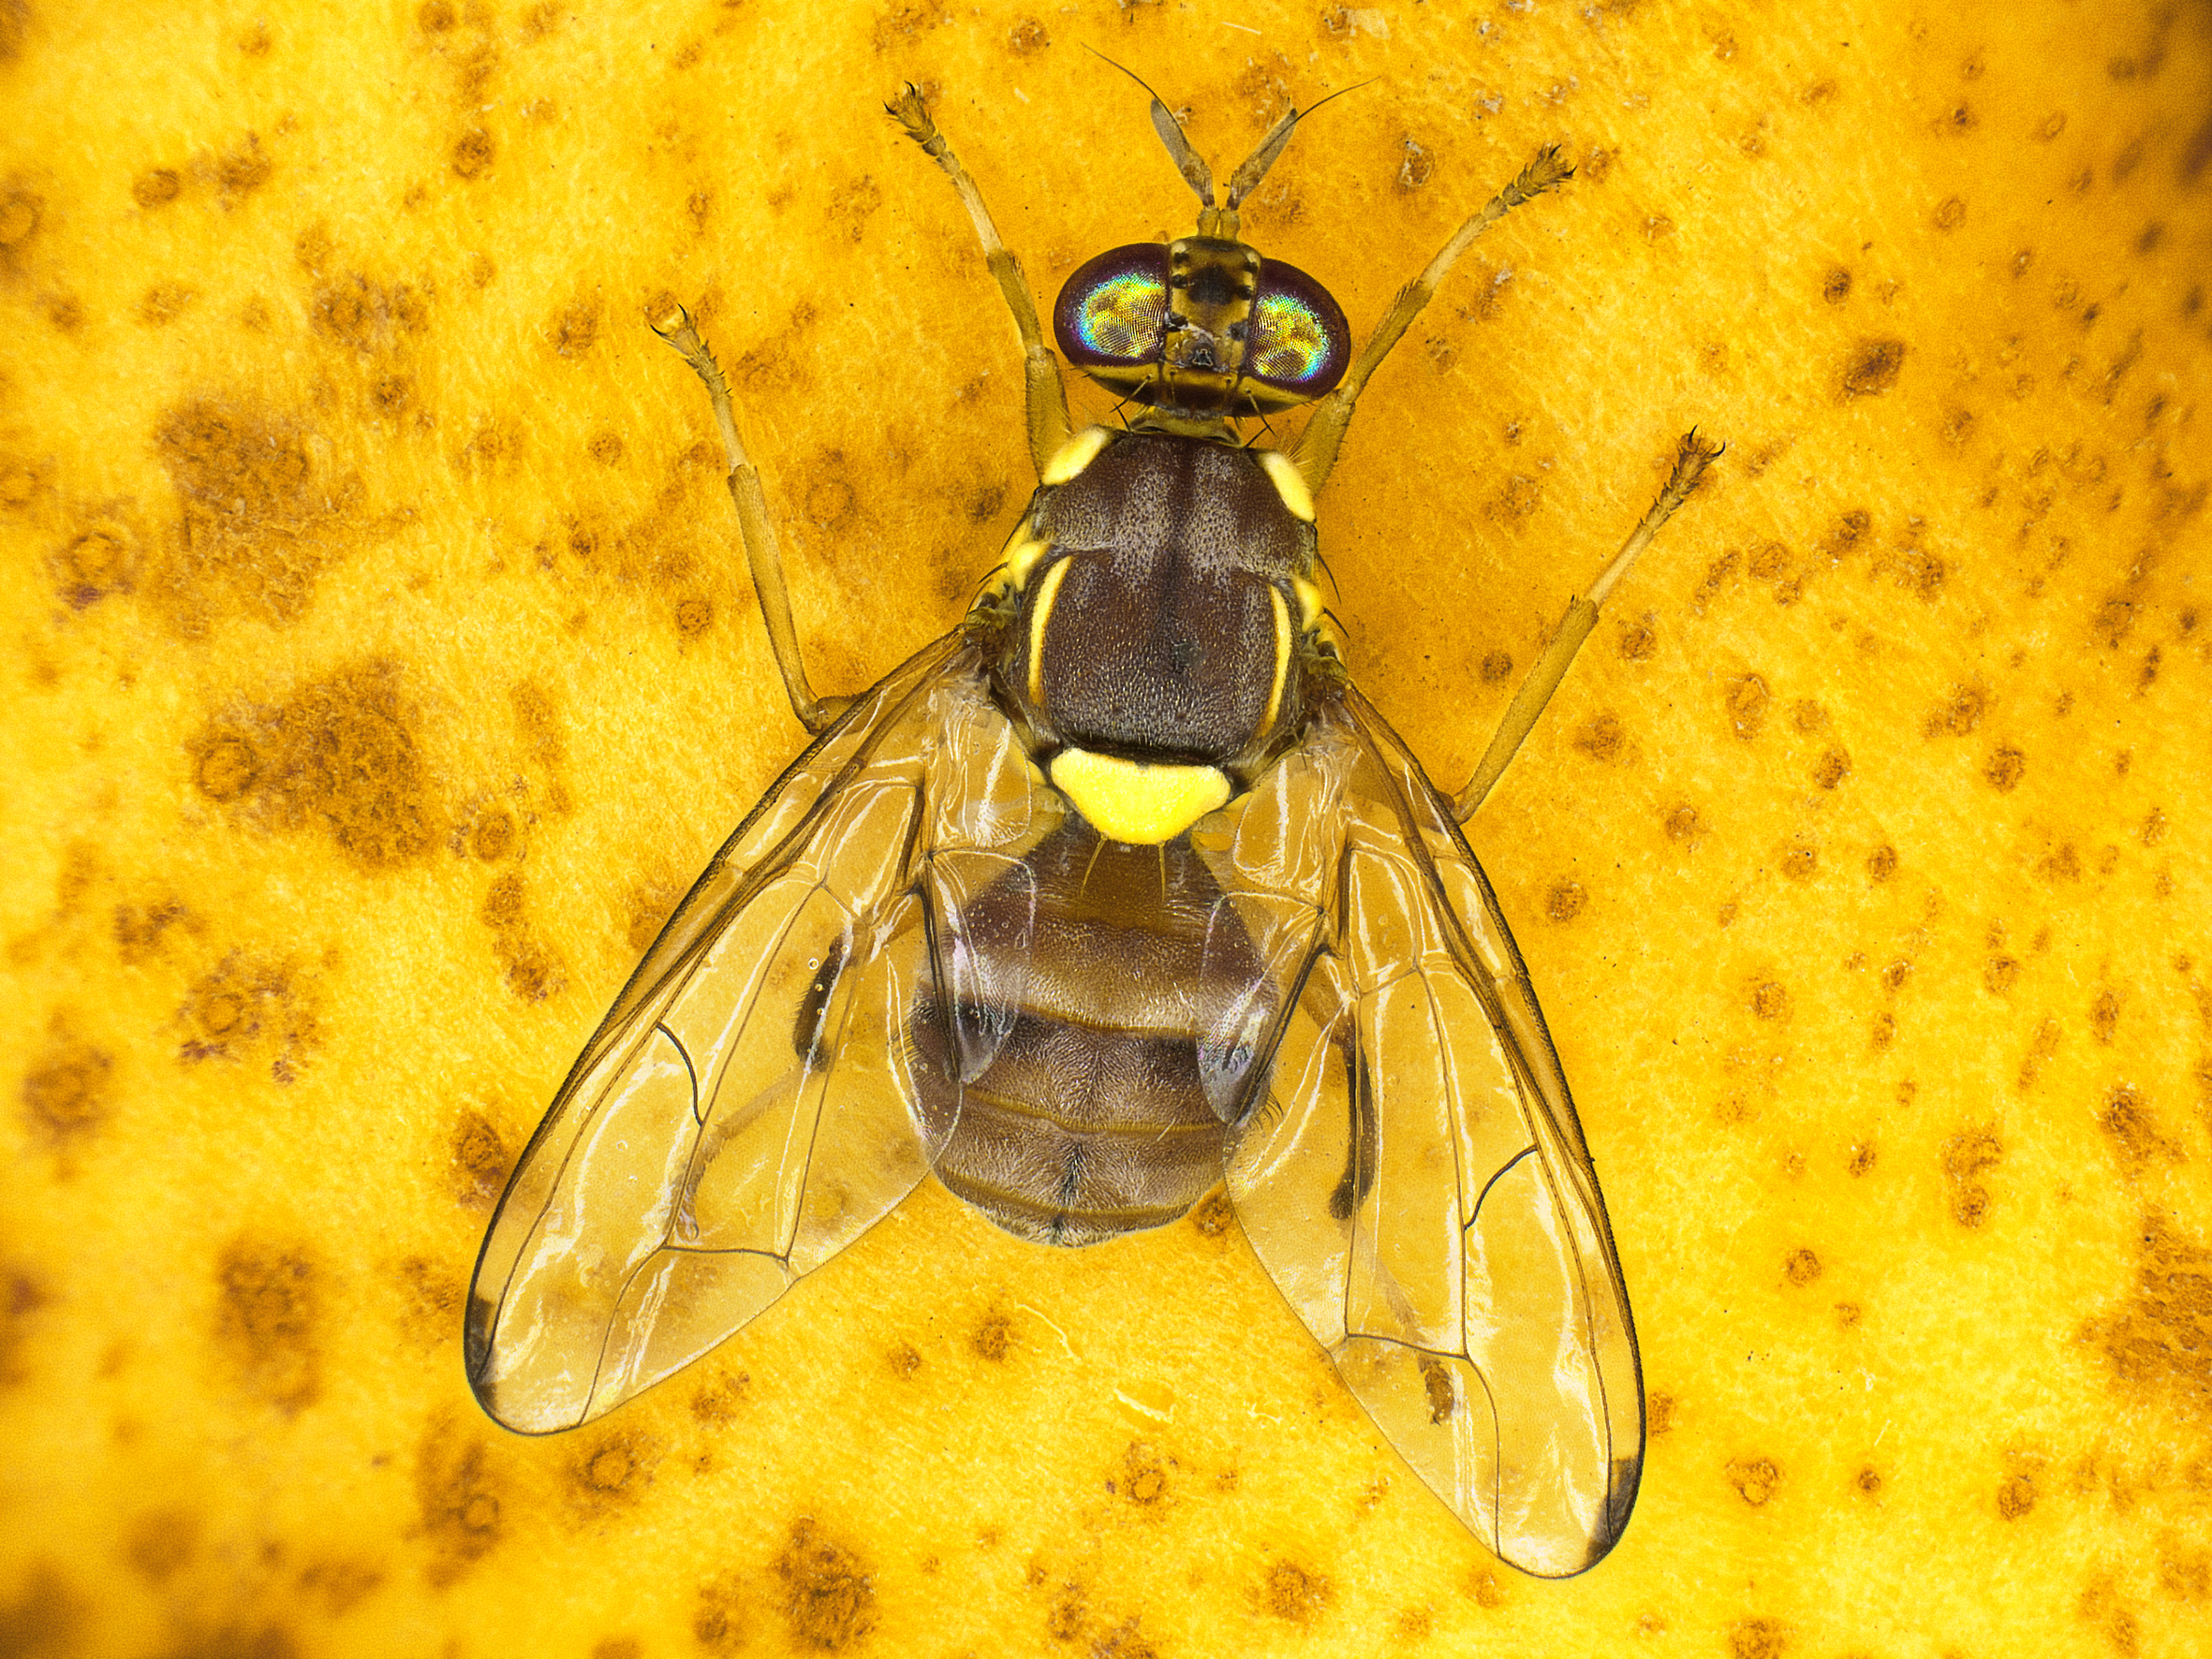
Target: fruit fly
(1118, 890)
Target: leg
(1691, 460)
(1047, 397)
(763, 558)
(1315, 451)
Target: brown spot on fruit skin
(226, 768)
(1293, 1594)
(66, 1093)
(1758, 1639)
(1602, 739)
(1966, 1157)
(829, 1599)
(341, 754)
(266, 1318)
(2016, 1496)
(2136, 1139)
(20, 213)
(1882, 863)
(1144, 1476)
(480, 1161)
(576, 331)
(612, 1472)
(1770, 1000)
(47, 1617)
(157, 187)
(2157, 1339)
(719, 1624)
(249, 1008)
(1754, 1479)
(433, 1296)
(457, 1501)
(1565, 902)
(1747, 700)
(21, 1298)
(366, 316)
(473, 153)
(533, 972)
(994, 1338)
(93, 565)
(1801, 1268)
(1873, 368)
(160, 1541)
(259, 524)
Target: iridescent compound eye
(1112, 315)
(1299, 343)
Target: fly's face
(1204, 329)
(1203, 326)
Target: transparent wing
(744, 1112)
(1417, 1184)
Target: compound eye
(1300, 343)
(1112, 313)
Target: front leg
(1045, 392)
(1314, 452)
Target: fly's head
(1204, 330)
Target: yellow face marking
(1282, 657)
(1136, 804)
(1074, 455)
(1038, 616)
(1289, 483)
(1309, 603)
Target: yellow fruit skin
(381, 668)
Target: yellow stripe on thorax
(1040, 613)
(1282, 657)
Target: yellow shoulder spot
(1289, 483)
(1309, 603)
(1074, 455)
(1136, 804)
(1021, 559)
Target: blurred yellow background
(380, 670)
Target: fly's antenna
(1247, 178)
(1192, 166)
(1188, 162)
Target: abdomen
(1091, 1119)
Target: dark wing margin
(1416, 1184)
(745, 1110)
